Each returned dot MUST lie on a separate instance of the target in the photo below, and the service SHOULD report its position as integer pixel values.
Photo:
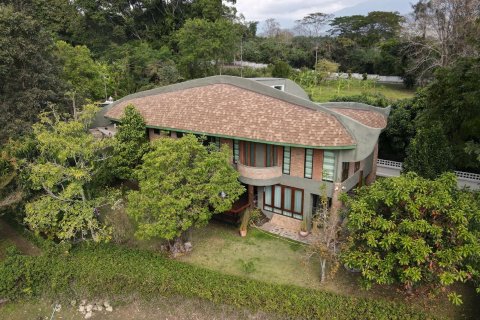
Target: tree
(312, 24)
(130, 144)
(85, 77)
(281, 69)
(29, 74)
(429, 153)
(413, 231)
(65, 172)
(325, 227)
(452, 100)
(181, 187)
(205, 45)
(271, 28)
(440, 32)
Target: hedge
(93, 271)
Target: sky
(287, 11)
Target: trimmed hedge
(90, 271)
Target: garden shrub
(104, 270)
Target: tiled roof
(367, 117)
(227, 110)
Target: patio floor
(288, 233)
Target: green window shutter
(286, 160)
(308, 163)
(328, 165)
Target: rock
(84, 302)
(58, 307)
(89, 308)
(106, 304)
(188, 246)
(81, 309)
(73, 303)
(88, 315)
(99, 308)
(109, 309)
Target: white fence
(359, 76)
(387, 168)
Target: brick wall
(317, 164)
(297, 162)
(279, 156)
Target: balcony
(255, 175)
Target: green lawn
(264, 257)
(328, 90)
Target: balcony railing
(259, 173)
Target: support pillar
(373, 174)
(250, 189)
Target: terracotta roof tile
(228, 110)
(369, 118)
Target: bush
(92, 271)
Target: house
(284, 146)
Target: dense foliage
(64, 170)
(181, 186)
(29, 73)
(412, 231)
(129, 145)
(429, 153)
(118, 273)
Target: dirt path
(7, 233)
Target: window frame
(305, 164)
(291, 213)
(333, 166)
(236, 150)
(284, 171)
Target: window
(286, 160)
(249, 153)
(279, 87)
(284, 200)
(179, 134)
(308, 163)
(270, 155)
(156, 131)
(328, 165)
(212, 140)
(236, 151)
(345, 170)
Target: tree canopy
(412, 231)
(181, 186)
(64, 171)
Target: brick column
(373, 174)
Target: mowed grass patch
(219, 247)
(329, 90)
(264, 257)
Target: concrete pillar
(336, 203)
(250, 196)
(373, 174)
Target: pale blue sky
(287, 11)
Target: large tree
(182, 184)
(414, 232)
(205, 46)
(452, 99)
(29, 73)
(65, 173)
(439, 32)
(429, 153)
(130, 144)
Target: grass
(264, 257)
(328, 90)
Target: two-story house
(284, 146)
